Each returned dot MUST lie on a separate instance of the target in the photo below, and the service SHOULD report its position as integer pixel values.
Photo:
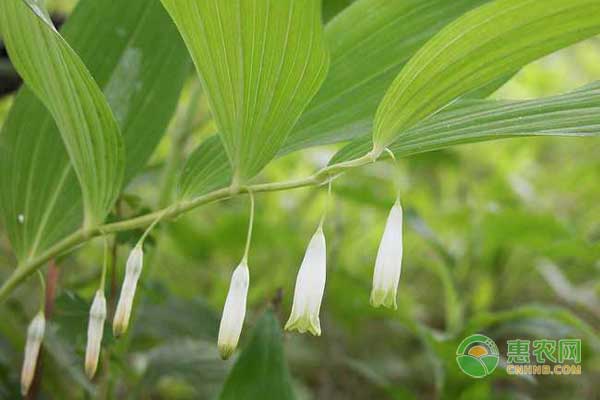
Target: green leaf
(481, 46)
(573, 114)
(331, 8)
(206, 169)
(346, 103)
(370, 42)
(260, 62)
(54, 72)
(261, 372)
(136, 55)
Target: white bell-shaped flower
(94, 333)
(389, 261)
(234, 311)
(133, 270)
(35, 335)
(310, 285)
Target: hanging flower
(94, 334)
(310, 285)
(132, 274)
(234, 311)
(389, 261)
(35, 335)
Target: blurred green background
(501, 238)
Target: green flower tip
(304, 324)
(119, 328)
(385, 298)
(225, 351)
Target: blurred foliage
(501, 238)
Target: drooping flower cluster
(304, 316)
(310, 284)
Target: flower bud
(389, 261)
(234, 311)
(132, 274)
(35, 335)
(94, 333)
(310, 285)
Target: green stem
(152, 225)
(42, 291)
(326, 204)
(397, 169)
(250, 226)
(174, 210)
(104, 263)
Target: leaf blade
(484, 44)
(206, 169)
(333, 115)
(388, 31)
(136, 41)
(260, 62)
(55, 73)
(573, 114)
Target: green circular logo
(477, 356)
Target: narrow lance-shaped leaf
(135, 54)
(370, 42)
(260, 62)
(54, 72)
(389, 31)
(572, 114)
(477, 48)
